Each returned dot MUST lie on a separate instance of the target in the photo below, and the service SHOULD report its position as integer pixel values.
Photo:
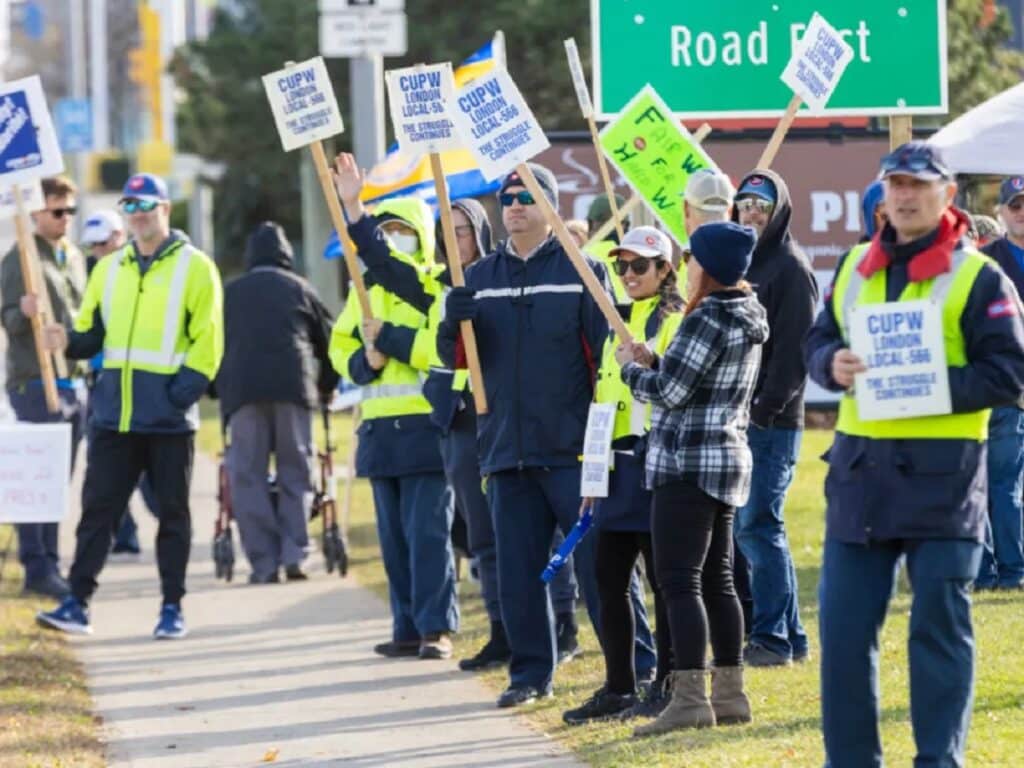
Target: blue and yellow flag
(401, 174)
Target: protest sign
(31, 197)
(35, 463)
(901, 343)
(597, 450)
(656, 155)
(305, 111)
(29, 149)
(496, 124)
(583, 96)
(813, 72)
(417, 97)
(818, 63)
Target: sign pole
(901, 130)
(602, 165)
(590, 280)
(451, 247)
(27, 259)
(775, 143)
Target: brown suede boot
(689, 707)
(730, 703)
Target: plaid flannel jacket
(700, 392)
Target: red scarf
(933, 261)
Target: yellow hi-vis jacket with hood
(161, 330)
(396, 436)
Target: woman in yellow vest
(399, 446)
(623, 519)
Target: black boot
(495, 653)
(565, 637)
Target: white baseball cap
(100, 226)
(645, 241)
(710, 190)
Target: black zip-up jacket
(276, 331)
(784, 282)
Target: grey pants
(272, 535)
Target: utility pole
(99, 85)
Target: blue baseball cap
(918, 159)
(145, 186)
(757, 185)
(1012, 188)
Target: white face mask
(403, 243)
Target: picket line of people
(709, 415)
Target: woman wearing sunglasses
(623, 519)
(699, 466)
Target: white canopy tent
(988, 139)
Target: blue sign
(74, 124)
(33, 20)
(19, 147)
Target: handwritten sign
(35, 462)
(818, 63)
(496, 124)
(31, 196)
(29, 149)
(303, 103)
(417, 97)
(656, 155)
(901, 344)
(597, 450)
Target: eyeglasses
(639, 265)
(60, 213)
(464, 230)
(523, 197)
(144, 206)
(1015, 204)
(751, 204)
(914, 160)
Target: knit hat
(723, 249)
(544, 177)
(600, 209)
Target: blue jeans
(37, 542)
(856, 584)
(414, 522)
(761, 536)
(1002, 563)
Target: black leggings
(614, 558)
(692, 535)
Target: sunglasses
(60, 213)
(1015, 205)
(639, 265)
(751, 204)
(134, 206)
(523, 198)
(913, 160)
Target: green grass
(786, 732)
(45, 710)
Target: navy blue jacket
(999, 251)
(539, 333)
(922, 489)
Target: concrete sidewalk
(278, 671)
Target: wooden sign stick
(901, 130)
(634, 202)
(45, 306)
(775, 143)
(590, 280)
(602, 165)
(451, 247)
(323, 172)
(29, 274)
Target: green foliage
(980, 64)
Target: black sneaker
(494, 654)
(756, 655)
(396, 650)
(51, 585)
(649, 704)
(603, 705)
(523, 694)
(294, 573)
(566, 642)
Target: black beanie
(723, 249)
(544, 177)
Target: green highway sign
(723, 59)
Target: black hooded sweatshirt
(276, 331)
(781, 275)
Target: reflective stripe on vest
(391, 390)
(950, 291)
(530, 290)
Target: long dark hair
(669, 298)
(708, 285)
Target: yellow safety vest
(631, 417)
(172, 316)
(951, 290)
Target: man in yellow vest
(155, 310)
(909, 486)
